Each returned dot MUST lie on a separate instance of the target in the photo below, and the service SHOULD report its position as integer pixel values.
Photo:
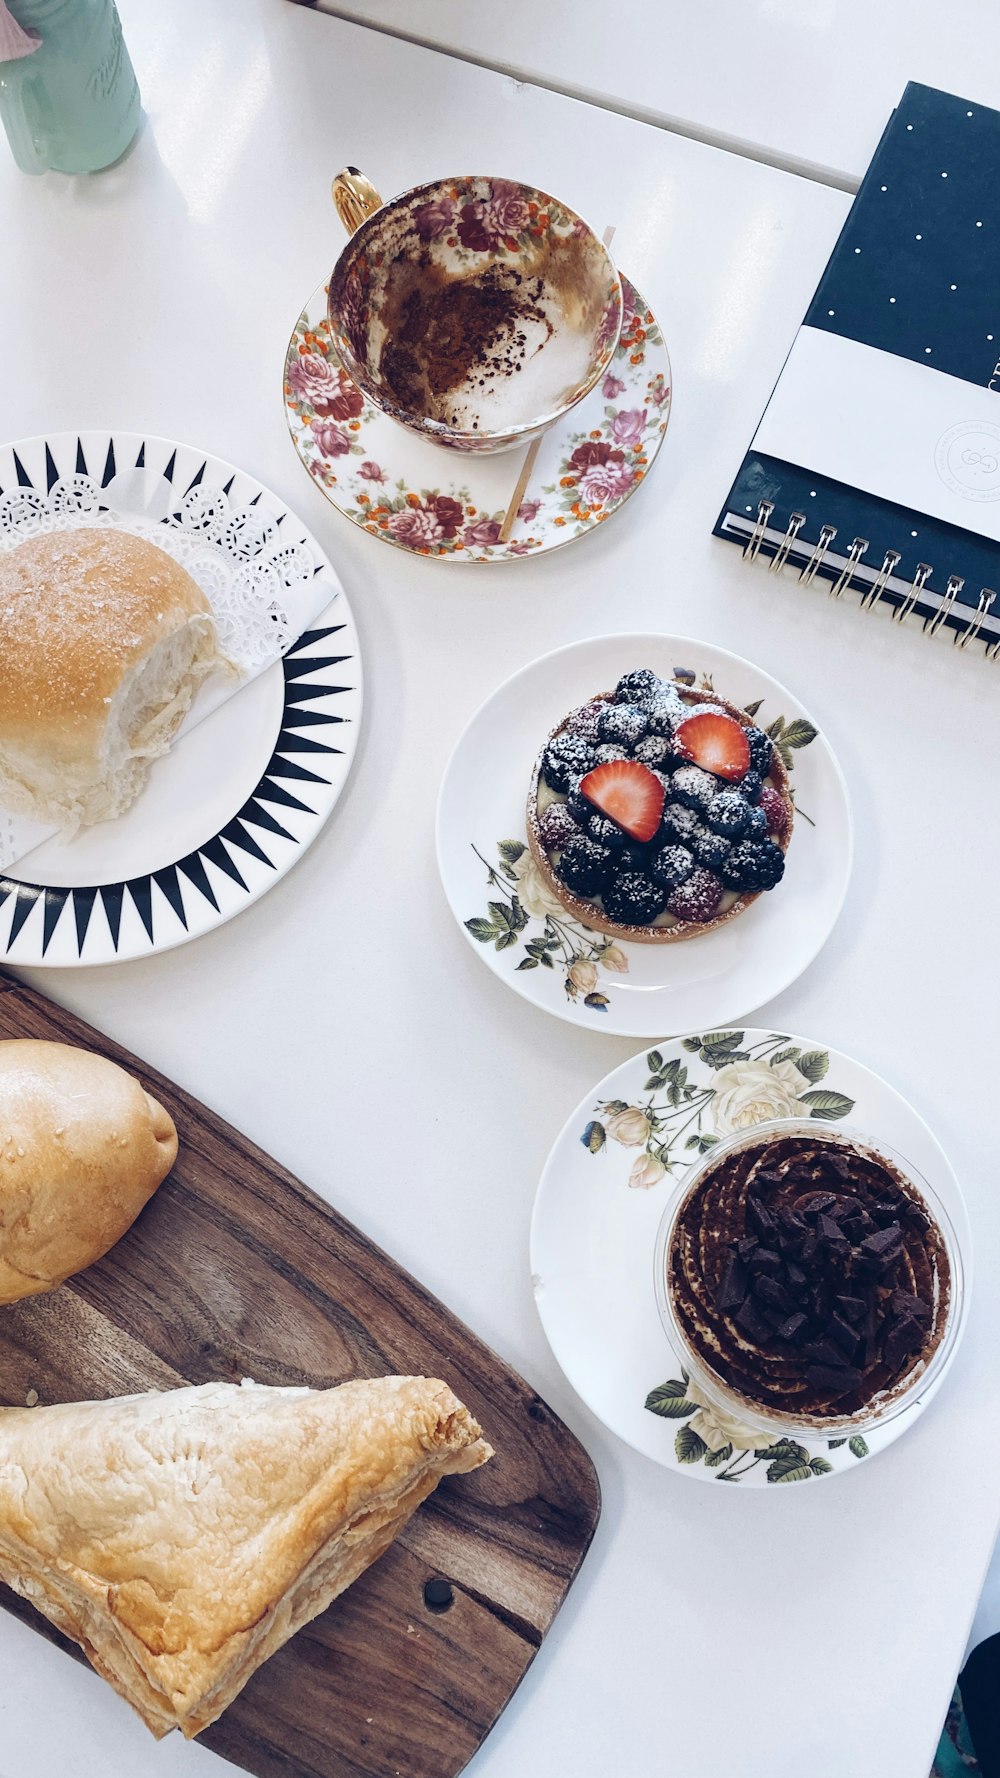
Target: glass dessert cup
(771, 1422)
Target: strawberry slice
(628, 793)
(716, 742)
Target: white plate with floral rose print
(522, 932)
(234, 804)
(598, 1208)
(434, 502)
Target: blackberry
(755, 864)
(632, 899)
(583, 865)
(729, 815)
(609, 750)
(761, 750)
(671, 866)
(636, 856)
(557, 827)
(679, 824)
(566, 755)
(697, 898)
(693, 787)
(623, 724)
(653, 750)
(584, 721)
(665, 712)
(579, 806)
(757, 824)
(711, 849)
(639, 687)
(605, 832)
(751, 785)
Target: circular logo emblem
(967, 458)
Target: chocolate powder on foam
(444, 335)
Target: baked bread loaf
(103, 640)
(181, 1538)
(82, 1148)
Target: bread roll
(82, 1148)
(103, 640)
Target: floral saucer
(605, 1184)
(526, 937)
(421, 498)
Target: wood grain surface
(236, 1269)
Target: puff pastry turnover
(181, 1538)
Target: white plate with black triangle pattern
(234, 804)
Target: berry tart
(657, 812)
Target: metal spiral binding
(880, 582)
(854, 555)
(877, 591)
(780, 557)
(921, 577)
(975, 622)
(756, 537)
(955, 584)
(826, 537)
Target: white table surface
(711, 1632)
(808, 84)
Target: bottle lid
(14, 41)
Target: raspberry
(693, 787)
(622, 724)
(773, 804)
(557, 827)
(697, 898)
(583, 865)
(729, 815)
(632, 900)
(585, 720)
(671, 866)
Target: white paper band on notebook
(899, 430)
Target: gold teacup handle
(355, 197)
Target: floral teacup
(474, 311)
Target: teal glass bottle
(73, 104)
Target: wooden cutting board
(236, 1269)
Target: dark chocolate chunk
(772, 1292)
(796, 1276)
(827, 1381)
(764, 1260)
(824, 1351)
(884, 1213)
(845, 1335)
(884, 1243)
(751, 1322)
(808, 1252)
(745, 1247)
(903, 1303)
(819, 1202)
(839, 1164)
(732, 1286)
(830, 1232)
(905, 1335)
(759, 1216)
(792, 1328)
(853, 1307)
(915, 1218)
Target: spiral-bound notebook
(877, 461)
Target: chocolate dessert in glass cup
(809, 1278)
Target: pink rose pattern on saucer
(589, 464)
